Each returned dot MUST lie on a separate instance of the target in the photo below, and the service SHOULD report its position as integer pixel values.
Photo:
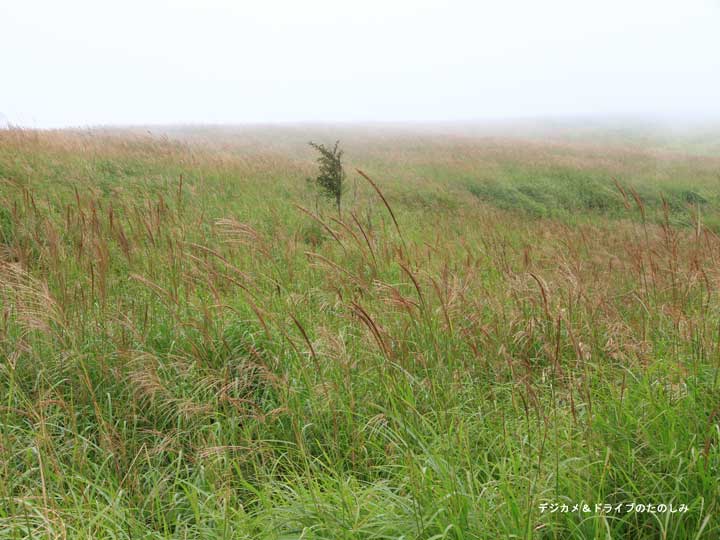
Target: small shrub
(331, 177)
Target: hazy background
(81, 62)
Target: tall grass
(191, 352)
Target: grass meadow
(193, 345)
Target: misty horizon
(80, 64)
(491, 124)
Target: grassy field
(499, 324)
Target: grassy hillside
(195, 346)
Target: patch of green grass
(564, 194)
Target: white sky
(87, 62)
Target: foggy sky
(82, 62)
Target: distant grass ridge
(561, 194)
